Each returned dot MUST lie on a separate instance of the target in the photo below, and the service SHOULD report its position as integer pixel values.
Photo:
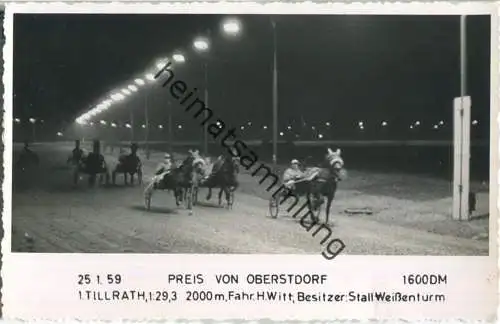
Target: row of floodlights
(229, 26)
(361, 125)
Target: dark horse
(93, 164)
(325, 184)
(318, 183)
(223, 177)
(180, 180)
(129, 165)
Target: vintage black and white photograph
(251, 134)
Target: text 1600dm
(425, 279)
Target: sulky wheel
(274, 207)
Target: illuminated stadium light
(361, 127)
(17, 120)
(417, 123)
(320, 136)
(435, 126)
(281, 134)
(360, 124)
(242, 127)
(265, 127)
(201, 44)
(117, 97)
(231, 26)
(103, 122)
(179, 126)
(411, 126)
(161, 63)
(160, 126)
(289, 127)
(327, 123)
(59, 134)
(475, 122)
(32, 120)
(384, 123)
(249, 123)
(113, 125)
(128, 125)
(179, 58)
(143, 126)
(441, 122)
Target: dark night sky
(343, 68)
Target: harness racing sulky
(314, 183)
(223, 176)
(129, 164)
(92, 164)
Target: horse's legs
(330, 196)
(177, 195)
(220, 195)
(209, 195)
(195, 196)
(125, 178)
(139, 176)
(312, 208)
(148, 194)
(328, 205)
(113, 177)
(227, 190)
(189, 200)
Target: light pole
(205, 125)
(230, 27)
(33, 128)
(170, 133)
(132, 125)
(202, 45)
(275, 96)
(146, 117)
(177, 58)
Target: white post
(461, 157)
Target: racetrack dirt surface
(411, 217)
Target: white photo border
(303, 8)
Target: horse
(128, 165)
(76, 161)
(223, 177)
(93, 165)
(330, 172)
(318, 182)
(180, 180)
